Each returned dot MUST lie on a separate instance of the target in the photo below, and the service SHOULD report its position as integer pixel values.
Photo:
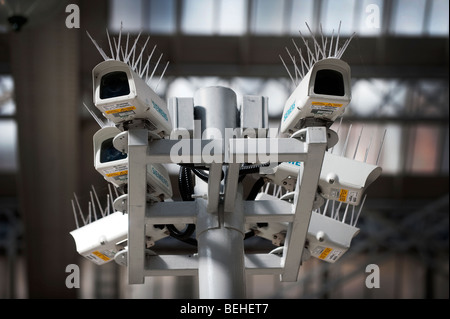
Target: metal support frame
(221, 263)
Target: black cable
(186, 188)
(255, 189)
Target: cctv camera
(124, 98)
(99, 241)
(108, 161)
(321, 96)
(328, 239)
(113, 165)
(344, 179)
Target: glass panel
(7, 105)
(197, 16)
(268, 17)
(445, 161)
(336, 11)
(438, 20)
(408, 17)
(390, 156)
(366, 97)
(302, 11)
(8, 146)
(162, 16)
(232, 17)
(128, 12)
(424, 149)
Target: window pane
(268, 17)
(128, 12)
(8, 146)
(7, 105)
(439, 18)
(162, 16)
(197, 16)
(232, 17)
(408, 17)
(302, 11)
(445, 161)
(424, 152)
(336, 11)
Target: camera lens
(109, 153)
(329, 82)
(114, 84)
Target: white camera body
(124, 97)
(108, 161)
(327, 238)
(99, 241)
(322, 95)
(344, 179)
(113, 165)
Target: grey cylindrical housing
(216, 107)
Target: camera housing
(124, 98)
(113, 165)
(99, 241)
(345, 180)
(321, 96)
(328, 239)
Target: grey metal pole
(220, 235)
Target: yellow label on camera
(326, 104)
(120, 110)
(343, 195)
(325, 253)
(117, 174)
(100, 255)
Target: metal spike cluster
(132, 57)
(92, 209)
(314, 52)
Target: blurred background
(399, 60)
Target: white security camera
(322, 96)
(328, 239)
(99, 241)
(113, 165)
(341, 178)
(344, 179)
(108, 161)
(125, 99)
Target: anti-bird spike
(317, 51)
(133, 58)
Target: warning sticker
(327, 104)
(100, 255)
(115, 171)
(97, 257)
(343, 195)
(121, 110)
(117, 174)
(325, 253)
